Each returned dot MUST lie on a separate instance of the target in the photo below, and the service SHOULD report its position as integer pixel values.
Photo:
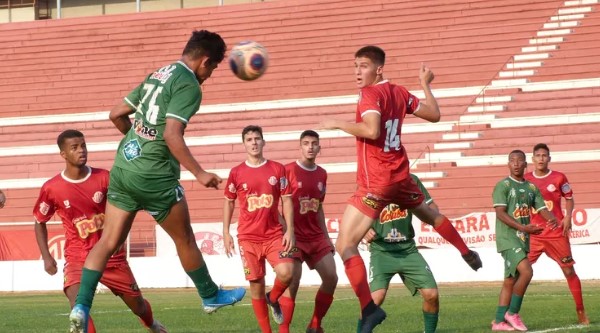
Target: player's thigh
(253, 260)
(353, 227)
(536, 248)
(382, 268)
(119, 278)
(559, 249)
(177, 223)
(416, 274)
(326, 268)
(512, 258)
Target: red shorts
(254, 254)
(558, 249)
(371, 202)
(116, 277)
(312, 252)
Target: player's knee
(430, 296)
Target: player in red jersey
(555, 242)
(258, 184)
(383, 169)
(309, 182)
(78, 196)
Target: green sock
(87, 287)
(515, 303)
(500, 312)
(203, 282)
(431, 320)
(358, 324)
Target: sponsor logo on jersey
(98, 197)
(67, 204)
(143, 131)
(132, 150)
(309, 205)
(272, 180)
(394, 236)
(321, 187)
(263, 201)
(391, 213)
(231, 188)
(85, 227)
(283, 183)
(566, 188)
(371, 200)
(521, 212)
(163, 74)
(551, 188)
(44, 208)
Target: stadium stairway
(63, 74)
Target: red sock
(287, 307)
(357, 275)
(278, 289)
(575, 287)
(449, 233)
(147, 318)
(91, 327)
(322, 303)
(262, 314)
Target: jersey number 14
(392, 138)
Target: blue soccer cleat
(223, 298)
(79, 319)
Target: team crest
(272, 180)
(551, 188)
(320, 186)
(67, 204)
(98, 197)
(44, 208)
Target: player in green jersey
(393, 251)
(514, 199)
(145, 175)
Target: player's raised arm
(429, 109)
(173, 136)
(119, 115)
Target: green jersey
(394, 229)
(170, 92)
(519, 198)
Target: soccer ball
(248, 60)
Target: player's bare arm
(119, 116)
(173, 136)
(227, 239)
(368, 128)
(41, 236)
(566, 222)
(428, 109)
(289, 240)
(503, 216)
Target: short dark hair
(375, 53)
(67, 134)
(541, 146)
(204, 42)
(309, 133)
(517, 151)
(252, 128)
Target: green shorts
(412, 268)
(512, 258)
(132, 192)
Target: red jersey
(384, 161)
(308, 188)
(553, 186)
(80, 205)
(258, 189)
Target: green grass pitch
(548, 307)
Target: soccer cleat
(582, 318)
(515, 321)
(314, 330)
(157, 327)
(275, 310)
(79, 319)
(223, 298)
(501, 326)
(473, 260)
(375, 318)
